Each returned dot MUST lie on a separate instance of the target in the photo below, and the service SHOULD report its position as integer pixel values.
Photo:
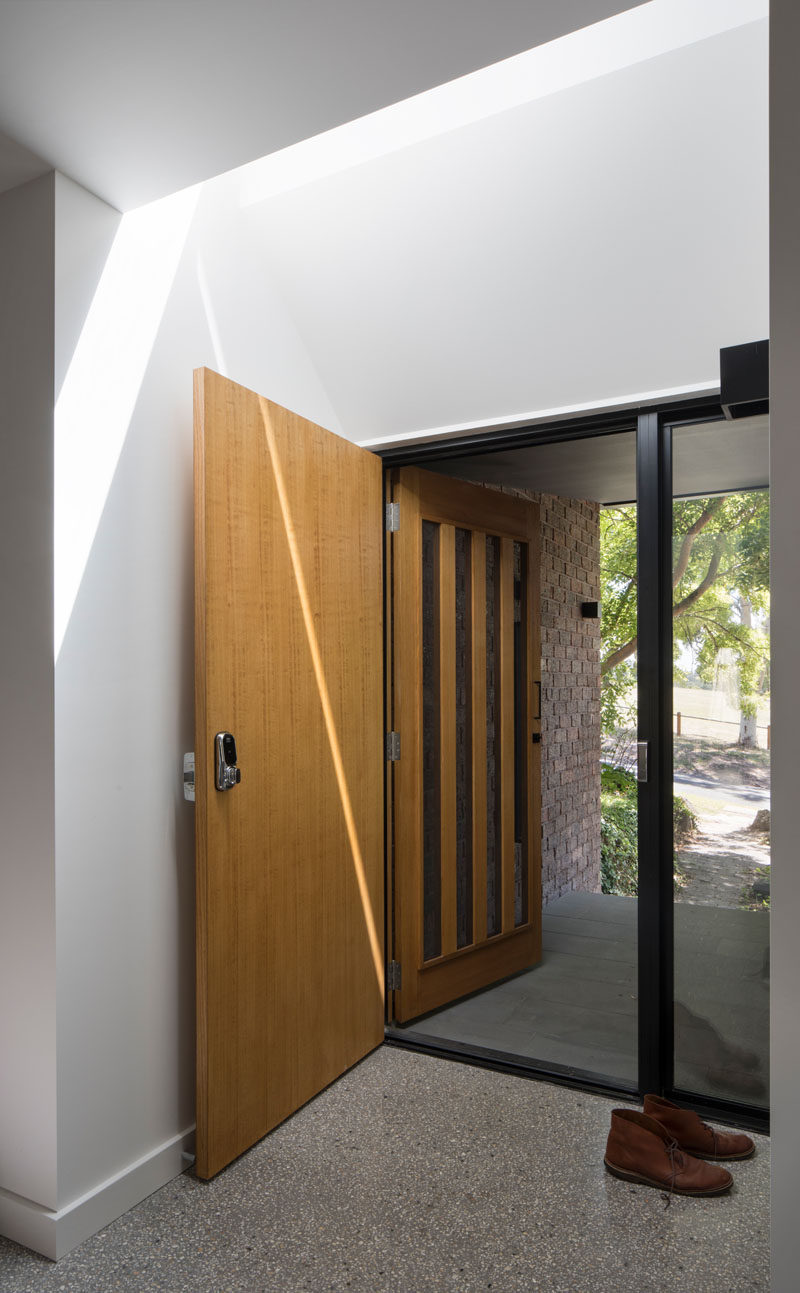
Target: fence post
(678, 716)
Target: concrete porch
(578, 1008)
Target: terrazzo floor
(414, 1173)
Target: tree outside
(720, 608)
(720, 634)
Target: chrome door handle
(642, 752)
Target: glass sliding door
(720, 724)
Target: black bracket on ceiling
(744, 379)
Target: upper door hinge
(393, 746)
(392, 516)
(393, 976)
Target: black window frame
(655, 925)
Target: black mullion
(654, 663)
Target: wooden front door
(290, 916)
(466, 705)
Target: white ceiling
(589, 246)
(135, 100)
(707, 458)
(582, 225)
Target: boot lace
(713, 1138)
(677, 1163)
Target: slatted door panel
(465, 701)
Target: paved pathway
(722, 858)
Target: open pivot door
(467, 707)
(290, 969)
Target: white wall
(27, 878)
(785, 626)
(124, 674)
(264, 293)
(84, 235)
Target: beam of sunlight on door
(325, 700)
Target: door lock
(227, 773)
(188, 777)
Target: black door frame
(653, 426)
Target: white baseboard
(54, 1233)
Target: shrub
(617, 780)
(619, 829)
(619, 861)
(684, 822)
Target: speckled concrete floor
(417, 1174)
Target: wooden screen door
(466, 706)
(290, 961)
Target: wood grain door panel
(288, 604)
(466, 675)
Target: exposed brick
(570, 574)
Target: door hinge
(393, 976)
(393, 746)
(392, 516)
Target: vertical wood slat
(478, 736)
(534, 698)
(447, 735)
(522, 744)
(506, 712)
(388, 701)
(408, 718)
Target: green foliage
(619, 858)
(752, 900)
(618, 697)
(617, 780)
(720, 576)
(684, 820)
(619, 862)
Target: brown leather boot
(639, 1149)
(694, 1135)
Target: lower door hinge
(393, 976)
(393, 746)
(392, 516)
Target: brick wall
(570, 697)
(570, 575)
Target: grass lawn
(711, 713)
(725, 763)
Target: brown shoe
(695, 1136)
(640, 1150)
